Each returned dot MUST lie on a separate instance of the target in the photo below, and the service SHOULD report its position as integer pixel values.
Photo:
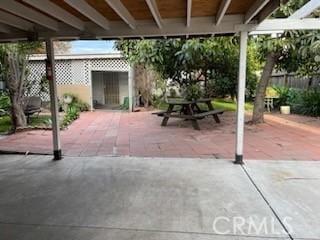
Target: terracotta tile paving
(140, 134)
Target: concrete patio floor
(155, 198)
(140, 134)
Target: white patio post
(241, 97)
(51, 76)
(130, 86)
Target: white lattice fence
(63, 72)
(37, 71)
(115, 64)
(79, 72)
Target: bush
(72, 114)
(73, 109)
(192, 92)
(4, 103)
(78, 103)
(287, 96)
(310, 103)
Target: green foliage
(73, 109)
(310, 103)
(5, 104)
(305, 102)
(192, 92)
(22, 49)
(5, 124)
(71, 114)
(297, 51)
(77, 103)
(212, 61)
(40, 121)
(286, 96)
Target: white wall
(123, 86)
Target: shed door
(112, 90)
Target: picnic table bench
(189, 110)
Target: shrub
(72, 110)
(192, 92)
(287, 96)
(72, 114)
(4, 103)
(78, 103)
(310, 103)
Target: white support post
(51, 76)
(130, 86)
(241, 97)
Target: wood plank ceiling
(128, 18)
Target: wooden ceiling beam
(222, 10)
(4, 28)
(123, 12)
(28, 13)
(270, 8)
(152, 4)
(57, 12)
(15, 21)
(254, 10)
(84, 8)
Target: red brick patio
(140, 134)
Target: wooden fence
(294, 81)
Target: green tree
(13, 63)
(212, 62)
(292, 51)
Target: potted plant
(285, 98)
(67, 98)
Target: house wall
(81, 91)
(123, 86)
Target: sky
(92, 46)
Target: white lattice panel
(78, 72)
(36, 71)
(64, 72)
(109, 65)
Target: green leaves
(213, 61)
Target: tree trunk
(258, 109)
(15, 82)
(17, 113)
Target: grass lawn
(226, 104)
(230, 105)
(35, 121)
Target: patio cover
(110, 19)
(116, 19)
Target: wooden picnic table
(190, 110)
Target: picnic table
(190, 110)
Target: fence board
(294, 81)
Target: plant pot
(285, 110)
(67, 99)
